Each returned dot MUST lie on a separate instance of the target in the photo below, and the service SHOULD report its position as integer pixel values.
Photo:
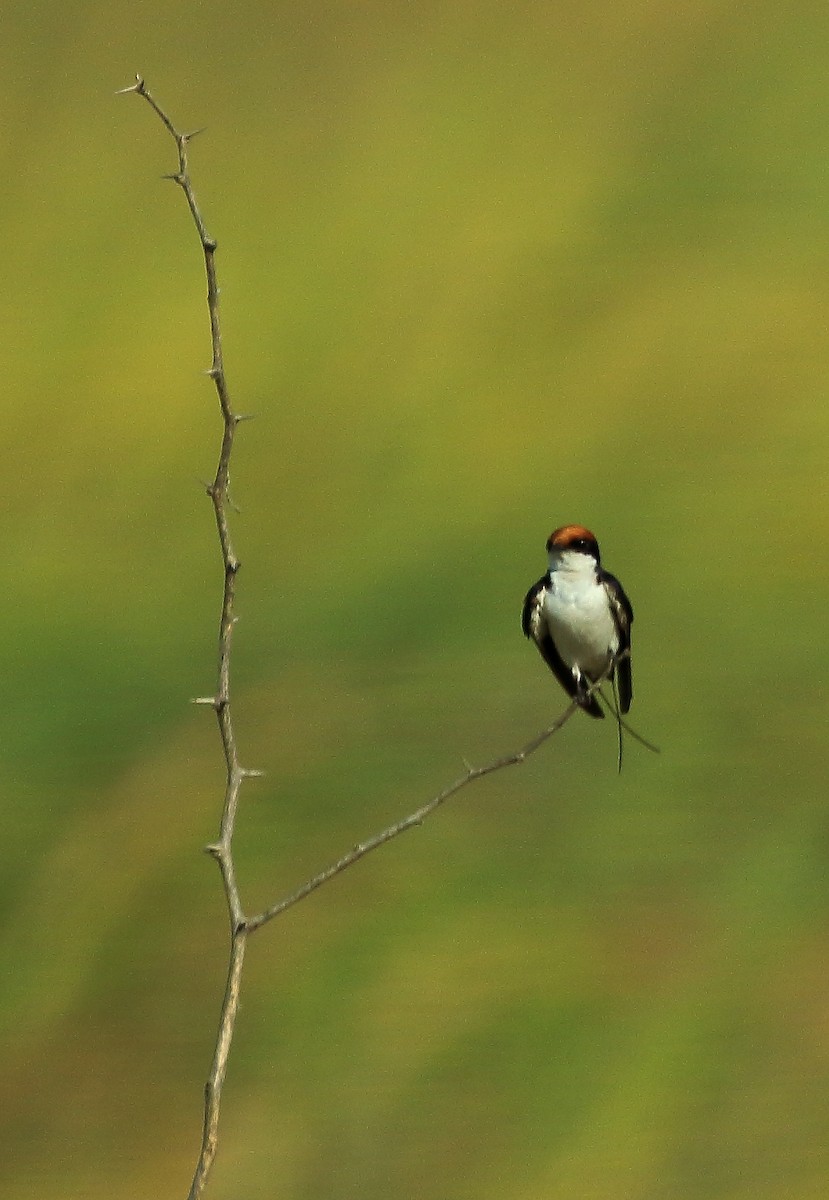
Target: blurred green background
(486, 269)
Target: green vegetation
(485, 269)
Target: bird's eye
(580, 543)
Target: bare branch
(470, 775)
(416, 818)
(222, 849)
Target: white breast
(580, 621)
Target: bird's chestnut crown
(573, 537)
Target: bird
(579, 618)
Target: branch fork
(240, 926)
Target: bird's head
(570, 544)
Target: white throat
(573, 565)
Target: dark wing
(622, 611)
(535, 627)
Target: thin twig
(416, 818)
(222, 848)
(470, 775)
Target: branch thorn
(138, 86)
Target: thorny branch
(222, 849)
